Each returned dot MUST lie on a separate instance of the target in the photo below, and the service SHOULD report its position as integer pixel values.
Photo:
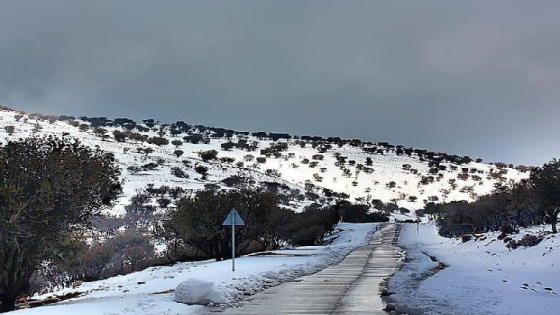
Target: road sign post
(233, 219)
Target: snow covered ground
(151, 291)
(482, 276)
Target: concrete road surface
(351, 287)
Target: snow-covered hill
(303, 169)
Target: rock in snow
(200, 292)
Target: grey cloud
(477, 78)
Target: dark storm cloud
(477, 77)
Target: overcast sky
(468, 77)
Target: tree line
(196, 222)
(531, 201)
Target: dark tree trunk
(7, 304)
(554, 218)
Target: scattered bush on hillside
(178, 172)
(208, 155)
(73, 123)
(119, 135)
(234, 181)
(133, 169)
(226, 146)
(227, 159)
(150, 166)
(145, 151)
(100, 132)
(202, 170)
(194, 139)
(159, 141)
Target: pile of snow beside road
(482, 276)
(152, 291)
(199, 292)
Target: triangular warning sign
(233, 218)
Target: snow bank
(152, 291)
(482, 276)
(197, 291)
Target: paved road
(351, 287)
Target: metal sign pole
(233, 244)
(233, 219)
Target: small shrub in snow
(119, 135)
(146, 151)
(208, 155)
(317, 157)
(178, 172)
(100, 132)
(202, 170)
(134, 169)
(226, 146)
(73, 123)
(10, 129)
(528, 240)
(227, 159)
(273, 172)
(163, 202)
(211, 186)
(149, 166)
(158, 141)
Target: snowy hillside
(302, 169)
